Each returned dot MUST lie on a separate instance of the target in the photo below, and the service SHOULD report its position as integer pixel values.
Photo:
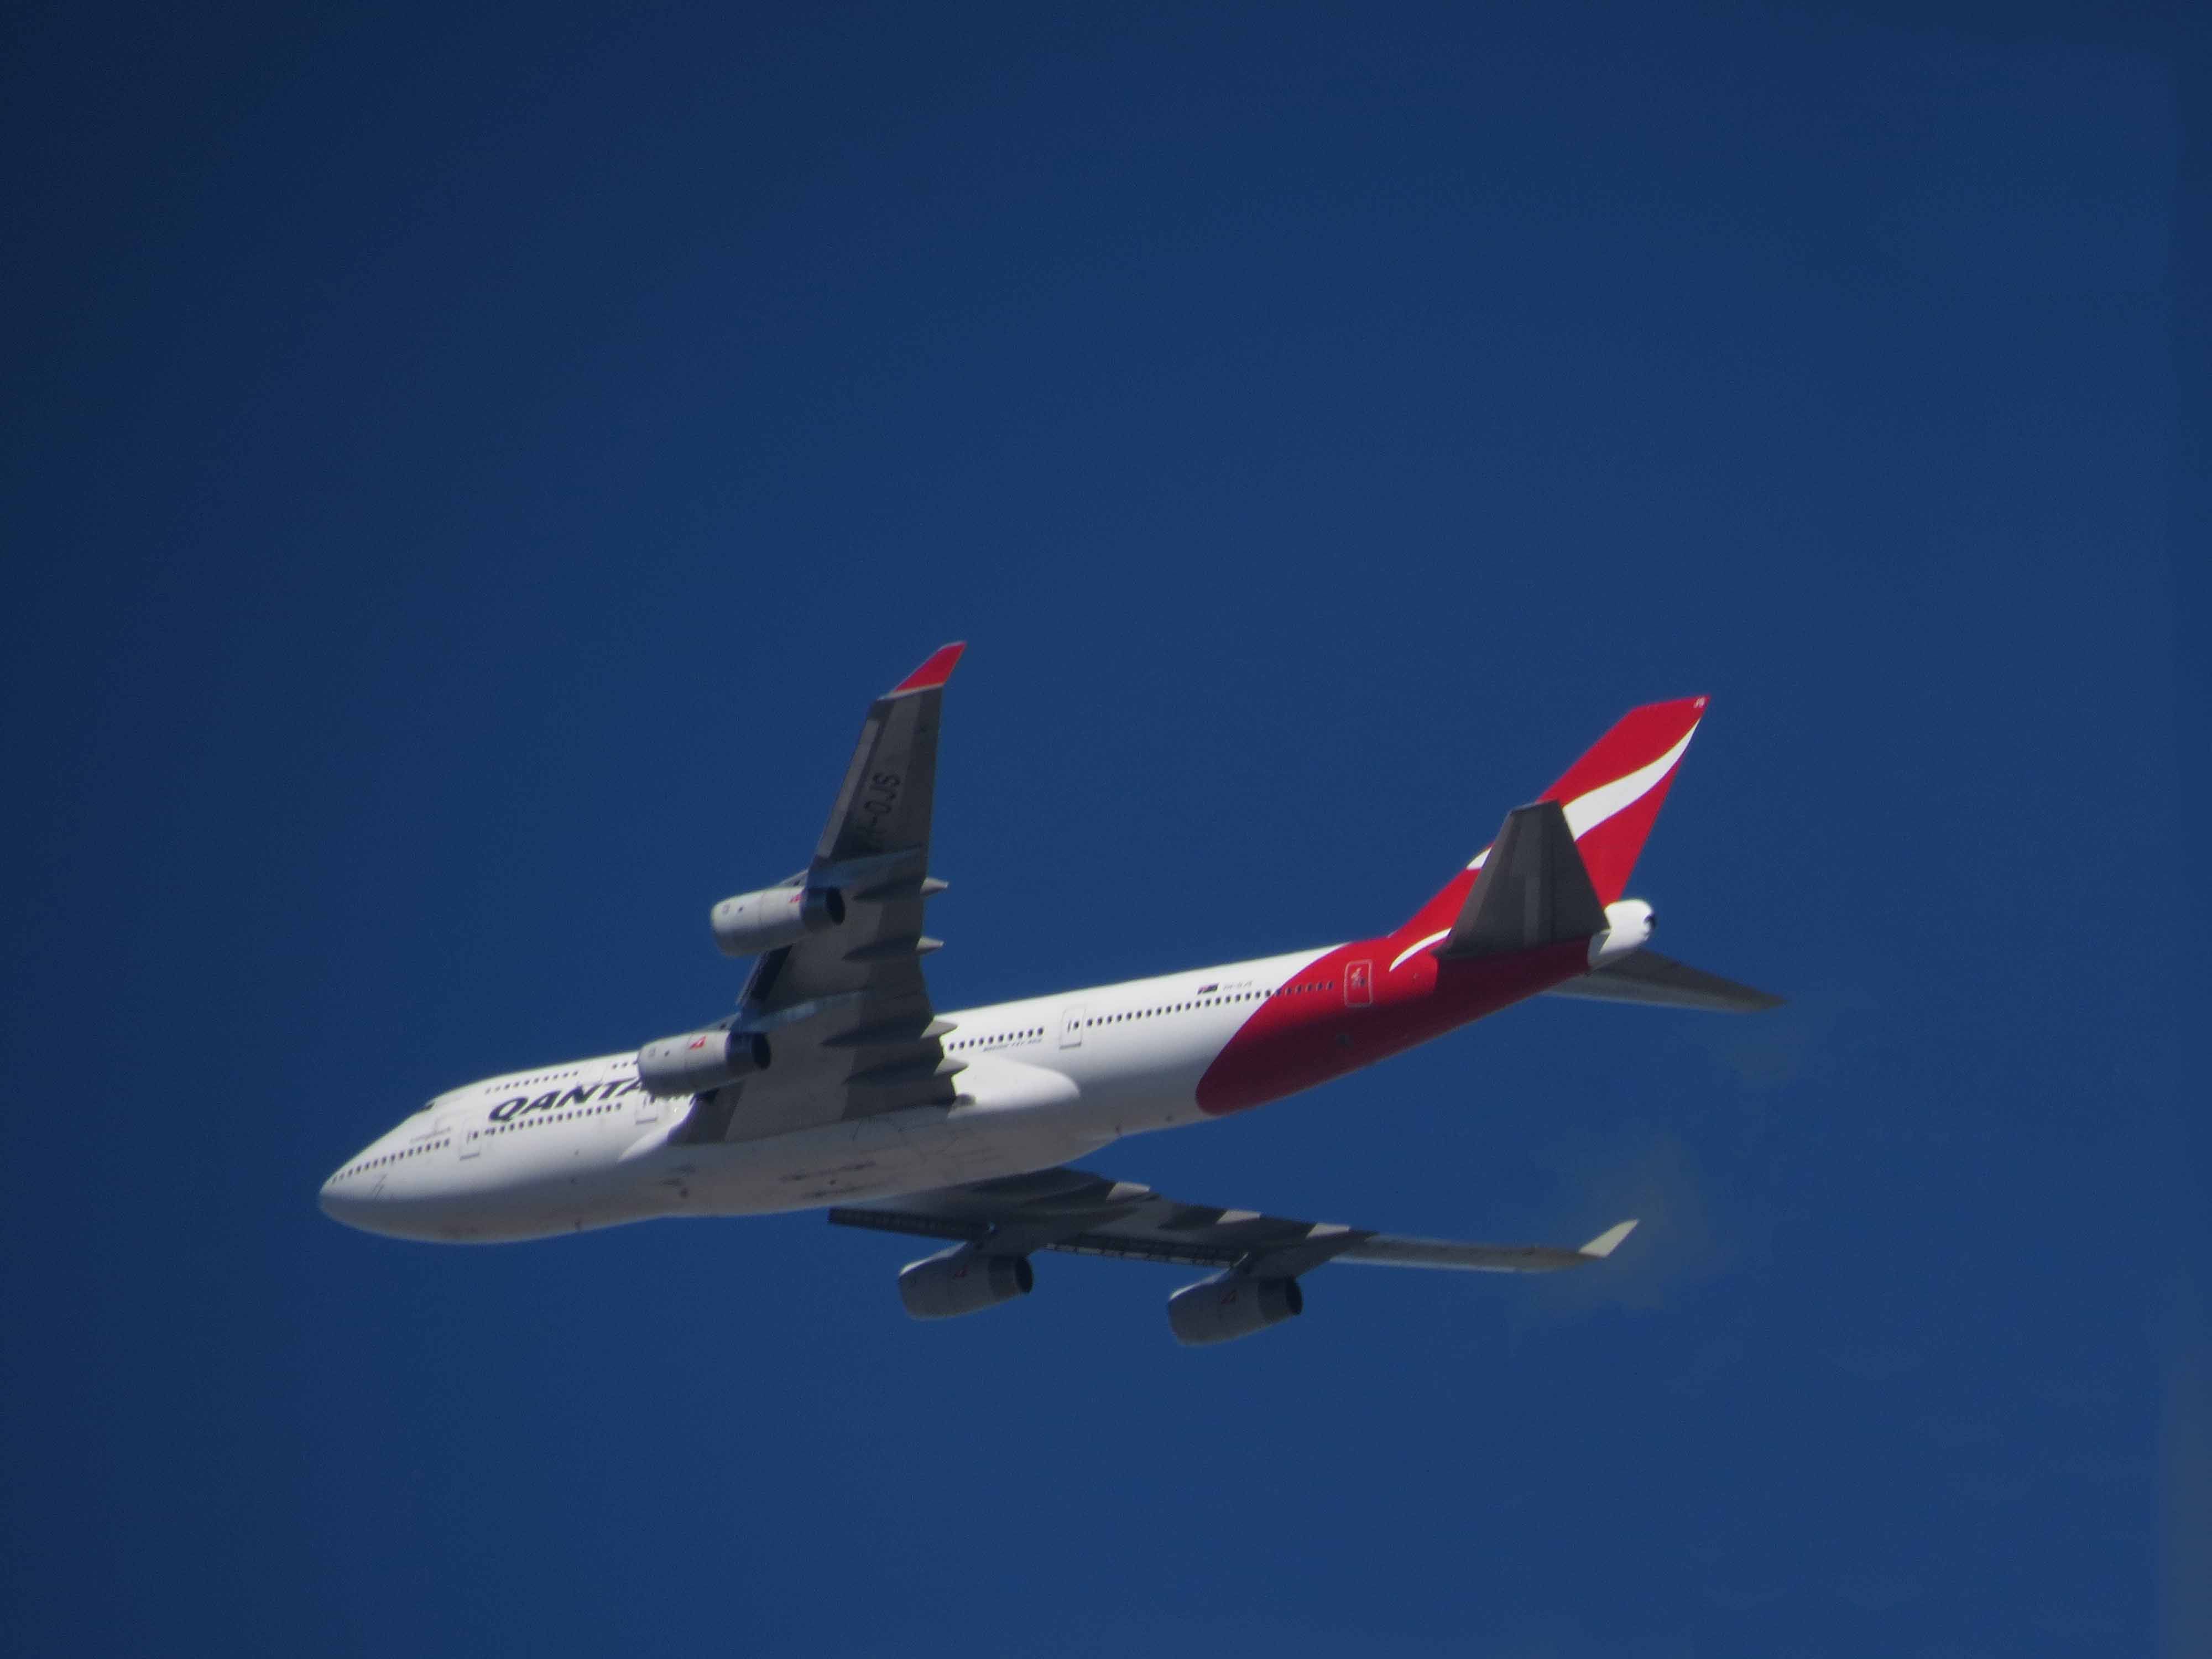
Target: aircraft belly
(1150, 1081)
(880, 1157)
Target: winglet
(932, 673)
(1606, 1242)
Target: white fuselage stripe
(1586, 813)
(1416, 947)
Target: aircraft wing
(1089, 1214)
(845, 1011)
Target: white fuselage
(824, 1034)
(580, 1146)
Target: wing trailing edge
(1088, 1214)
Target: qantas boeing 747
(838, 1083)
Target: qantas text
(556, 1100)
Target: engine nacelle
(963, 1281)
(699, 1060)
(773, 917)
(1231, 1305)
(1628, 924)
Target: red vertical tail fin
(1613, 793)
(1611, 796)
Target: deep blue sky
(466, 475)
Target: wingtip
(934, 672)
(1607, 1242)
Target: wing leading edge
(847, 1009)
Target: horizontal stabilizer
(1663, 982)
(1534, 889)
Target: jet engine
(773, 917)
(1628, 925)
(963, 1281)
(1231, 1305)
(699, 1060)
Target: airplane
(838, 1083)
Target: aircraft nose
(360, 1196)
(349, 1197)
(335, 1204)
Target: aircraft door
(1358, 984)
(1071, 1027)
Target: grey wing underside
(1089, 1214)
(1663, 982)
(846, 1011)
